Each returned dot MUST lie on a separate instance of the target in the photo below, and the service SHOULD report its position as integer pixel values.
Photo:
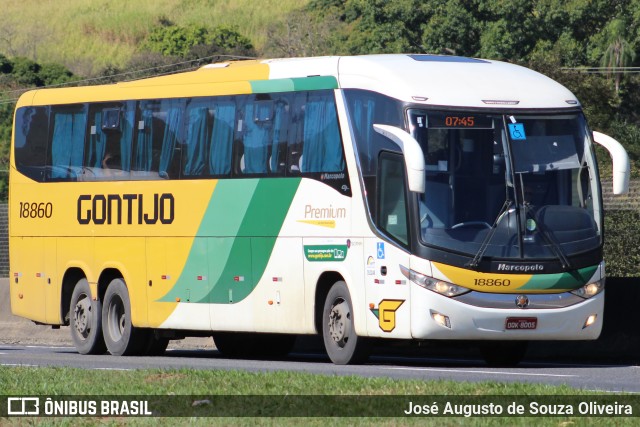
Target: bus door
(387, 288)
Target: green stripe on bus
(261, 225)
(315, 83)
(294, 84)
(561, 281)
(235, 240)
(271, 86)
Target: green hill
(89, 35)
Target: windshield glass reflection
(507, 186)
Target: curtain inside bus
(257, 136)
(126, 135)
(196, 142)
(68, 142)
(224, 116)
(322, 150)
(142, 160)
(97, 142)
(171, 133)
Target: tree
(6, 65)
(379, 26)
(619, 52)
(54, 74)
(196, 42)
(452, 29)
(302, 33)
(511, 30)
(25, 72)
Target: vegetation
(584, 44)
(294, 394)
(622, 240)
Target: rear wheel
(253, 346)
(343, 346)
(120, 336)
(503, 353)
(86, 320)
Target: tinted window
(108, 149)
(32, 128)
(209, 137)
(68, 131)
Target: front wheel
(343, 346)
(120, 336)
(86, 320)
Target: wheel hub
(82, 316)
(339, 323)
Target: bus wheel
(503, 353)
(343, 346)
(253, 346)
(86, 320)
(120, 336)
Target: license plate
(521, 323)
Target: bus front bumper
(434, 316)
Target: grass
(86, 36)
(245, 393)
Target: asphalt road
(24, 344)
(611, 378)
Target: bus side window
(392, 206)
(67, 141)
(220, 154)
(322, 146)
(159, 132)
(281, 127)
(199, 120)
(256, 137)
(144, 151)
(32, 127)
(295, 137)
(170, 155)
(110, 134)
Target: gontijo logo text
(125, 209)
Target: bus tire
(86, 320)
(503, 353)
(120, 336)
(342, 344)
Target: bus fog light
(590, 321)
(441, 319)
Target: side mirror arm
(412, 153)
(620, 158)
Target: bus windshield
(507, 186)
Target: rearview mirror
(621, 168)
(412, 153)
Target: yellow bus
(397, 197)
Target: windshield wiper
(487, 239)
(548, 238)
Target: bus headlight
(590, 289)
(439, 286)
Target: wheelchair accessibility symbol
(380, 250)
(516, 130)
